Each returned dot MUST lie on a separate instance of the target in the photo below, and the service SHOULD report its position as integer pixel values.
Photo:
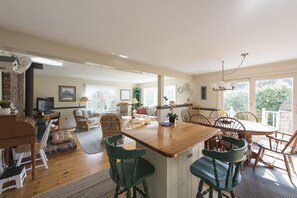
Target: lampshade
(134, 101)
(84, 99)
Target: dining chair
(220, 170)
(110, 125)
(246, 116)
(229, 127)
(278, 144)
(202, 120)
(217, 114)
(127, 168)
(24, 150)
(186, 115)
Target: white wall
(49, 87)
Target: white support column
(160, 95)
(264, 116)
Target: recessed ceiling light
(123, 56)
(47, 61)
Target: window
(150, 95)
(170, 93)
(274, 103)
(237, 100)
(102, 98)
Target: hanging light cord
(244, 55)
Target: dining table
(251, 129)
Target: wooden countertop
(170, 141)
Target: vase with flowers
(172, 116)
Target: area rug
(260, 183)
(90, 141)
(97, 185)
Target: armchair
(280, 145)
(86, 119)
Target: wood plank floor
(63, 168)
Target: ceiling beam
(25, 43)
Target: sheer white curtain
(102, 98)
(151, 95)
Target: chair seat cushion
(203, 168)
(61, 137)
(94, 120)
(265, 144)
(144, 169)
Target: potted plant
(5, 107)
(172, 116)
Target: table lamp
(133, 102)
(84, 99)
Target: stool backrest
(233, 158)
(120, 159)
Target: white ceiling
(191, 36)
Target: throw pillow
(141, 110)
(60, 137)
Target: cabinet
(137, 95)
(54, 115)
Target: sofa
(86, 119)
(146, 111)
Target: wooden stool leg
(200, 188)
(232, 193)
(134, 192)
(145, 188)
(116, 191)
(128, 193)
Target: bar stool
(17, 174)
(127, 168)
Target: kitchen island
(172, 149)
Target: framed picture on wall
(67, 93)
(125, 94)
(203, 93)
